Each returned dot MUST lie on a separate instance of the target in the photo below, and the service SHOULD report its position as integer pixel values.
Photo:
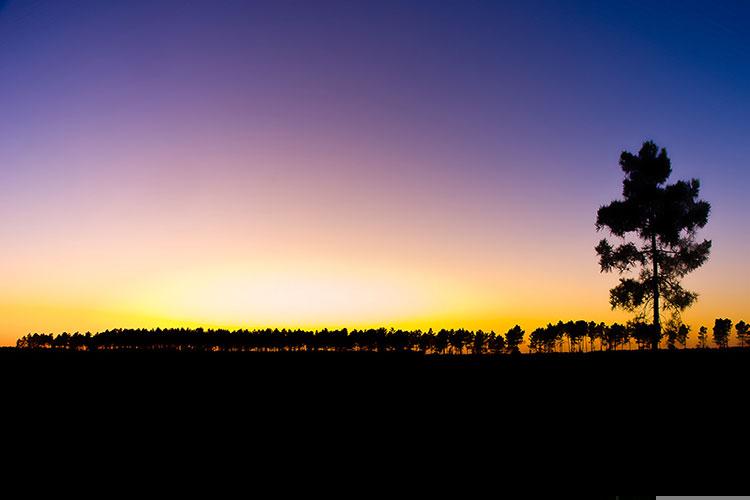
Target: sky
(326, 164)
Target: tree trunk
(657, 322)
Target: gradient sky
(408, 164)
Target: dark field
(609, 381)
(636, 419)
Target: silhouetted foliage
(571, 336)
(536, 340)
(454, 341)
(663, 220)
(596, 332)
(676, 332)
(615, 335)
(644, 334)
(552, 337)
(683, 332)
(703, 337)
(496, 343)
(722, 329)
(577, 333)
(743, 332)
(513, 339)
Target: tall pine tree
(656, 225)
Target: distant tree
(595, 331)
(480, 342)
(682, 335)
(743, 332)
(566, 331)
(458, 339)
(496, 343)
(441, 341)
(536, 340)
(513, 339)
(703, 337)
(663, 218)
(555, 336)
(557, 333)
(676, 332)
(615, 335)
(669, 331)
(722, 329)
(426, 341)
(576, 332)
(644, 334)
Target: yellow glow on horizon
(295, 298)
(311, 288)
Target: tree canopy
(722, 329)
(743, 332)
(656, 225)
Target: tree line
(571, 336)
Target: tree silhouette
(576, 332)
(553, 336)
(642, 333)
(596, 331)
(743, 331)
(536, 340)
(682, 335)
(676, 332)
(615, 335)
(703, 337)
(496, 343)
(513, 339)
(656, 223)
(479, 343)
(722, 329)
(458, 339)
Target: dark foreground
(607, 383)
(593, 390)
(593, 374)
(637, 418)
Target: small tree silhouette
(513, 339)
(536, 340)
(615, 335)
(722, 329)
(480, 342)
(743, 329)
(596, 331)
(676, 332)
(577, 332)
(682, 335)
(703, 337)
(642, 333)
(496, 343)
(664, 218)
